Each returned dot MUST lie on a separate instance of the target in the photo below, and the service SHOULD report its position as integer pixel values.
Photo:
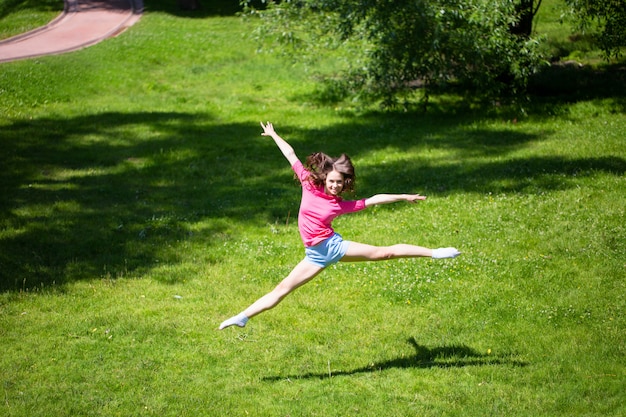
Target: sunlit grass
(140, 207)
(562, 42)
(17, 17)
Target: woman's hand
(393, 198)
(285, 148)
(414, 198)
(268, 129)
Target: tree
(526, 11)
(398, 44)
(606, 19)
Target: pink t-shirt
(318, 209)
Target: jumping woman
(323, 180)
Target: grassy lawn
(141, 207)
(18, 16)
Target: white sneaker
(445, 253)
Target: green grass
(563, 42)
(18, 16)
(140, 207)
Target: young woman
(323, 181)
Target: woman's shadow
(455, 356)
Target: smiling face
(334, 183)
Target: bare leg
(305, 271)
(300, 275)
(360, 252)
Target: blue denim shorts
(327, 252)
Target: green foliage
(605, 19)
(394, 46)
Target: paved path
(83, 23)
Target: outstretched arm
(392, 198)
(285, 148)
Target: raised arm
(285, 148)
(392, 198)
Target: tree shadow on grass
(559, 85)
(199, 9)
(455, 356)
(452, 158)
(109, 195)
(550, 92)
(118, 194)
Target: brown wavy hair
(320, 164)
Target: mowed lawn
(141, 207)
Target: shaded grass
(140, 207)
(105, 185)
